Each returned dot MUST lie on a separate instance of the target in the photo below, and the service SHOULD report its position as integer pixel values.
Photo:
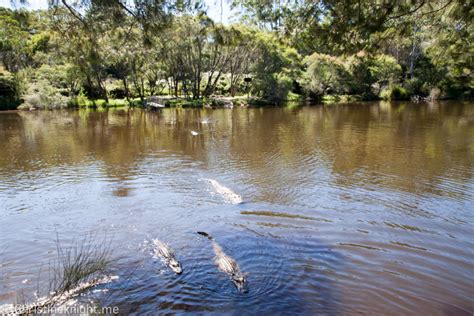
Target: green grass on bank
(241, 100)
(333, 98)
(293, 100)
(84, 102)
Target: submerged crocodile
(168, 255)
(227, 265)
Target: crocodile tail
(206, 235)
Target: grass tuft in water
(79, 263)
(76, 269)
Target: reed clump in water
(78, 264)
(76, 269)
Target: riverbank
(219, 102)
(164, 101)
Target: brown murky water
(345, 209)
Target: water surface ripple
(330, 210)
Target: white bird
(194, 133)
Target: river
(343, 209)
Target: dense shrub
(325, 75)
(359, 74)
(118, 93)
(275, 70)
(394, 92)
(9, 91)
(384, 70)
(361, 77)
(49, 87)
(41, 95)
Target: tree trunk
(125, 87)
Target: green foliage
(116, 103)
(38, 43)
(431, 41)
(9, 91)
(341, 98)
(452, 52)
(361, 78)
(113, 50)
(293, 97)
(13, 39)
(415, 86)
(191, 103)
(394, 93)
(257, 102)
(40, 94)
(81, 100)
(361, 75)
(275, 70)
(135, 102)
(49, 86)
(385, 69)
(325, 75)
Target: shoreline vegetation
(78, 268)
(114, 53)
(169, 101)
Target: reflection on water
(357, 208)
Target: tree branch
(74, 12)
(406, 13)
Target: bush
(259, 102)
(112, 103)
(9, 91)
(100, 103)
(415, 86)
(384, 70)
(331, 98)
(325, 74)
(76, 270)
(361, 78)
(275, 70)
(80, 100)
(215, 102)
(394, 93)
(280, 86)
(41, 95)
(137, 102)
(118, 93)
(49, 87)
(294, 97)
